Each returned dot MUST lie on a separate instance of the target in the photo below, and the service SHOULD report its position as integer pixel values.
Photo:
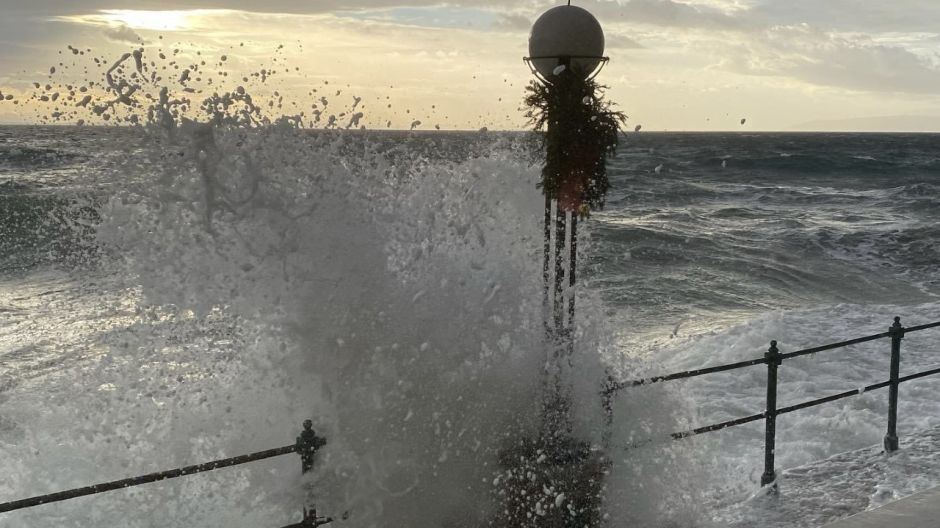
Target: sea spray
(397, 296)
(97, 385)
(384, 289)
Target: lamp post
(566, 48)
(579, 131)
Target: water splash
(388, 286)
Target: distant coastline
(899, 123)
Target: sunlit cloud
(146, 20)
(674, 63)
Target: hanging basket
(579, 133)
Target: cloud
(841, 15)
(666, 13)
(63, 7)
(871, 16)
(123, 35)
(621, 42)
(855, 63)
(513, 22)
(874, 49)
(753, 42)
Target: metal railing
(309, 521)
(773, 359)
(143, 479)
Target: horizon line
(479, 131)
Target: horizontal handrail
(137, 481)
(783, 410)
(832, 398)
(919, 375)
(921, 327)
(718, 426)
(823, 348)
(615, 386)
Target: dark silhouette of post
(770, 430)
(547, 267)
(572, 268)
(561, 225)
(609, 389)
(896, 331)
(307, 445)
(311, 520)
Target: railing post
(307, 445)
(607, 396)
(773, 360)
(897, 333)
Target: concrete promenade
(920, 510)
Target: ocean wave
(36, 158)
(40, 228)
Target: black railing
(773, 359)
(143, 479)
(309, 521)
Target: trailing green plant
(579, 132)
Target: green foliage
(579, 132)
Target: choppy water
(171, 299)
(791, 221)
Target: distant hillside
(872, 124)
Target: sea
(171, 295)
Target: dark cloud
(123, 35)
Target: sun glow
(145, 20)
(153, 20)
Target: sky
(674, 65)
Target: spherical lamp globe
(566, 33)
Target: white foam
(274, 278)
(731, 460)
